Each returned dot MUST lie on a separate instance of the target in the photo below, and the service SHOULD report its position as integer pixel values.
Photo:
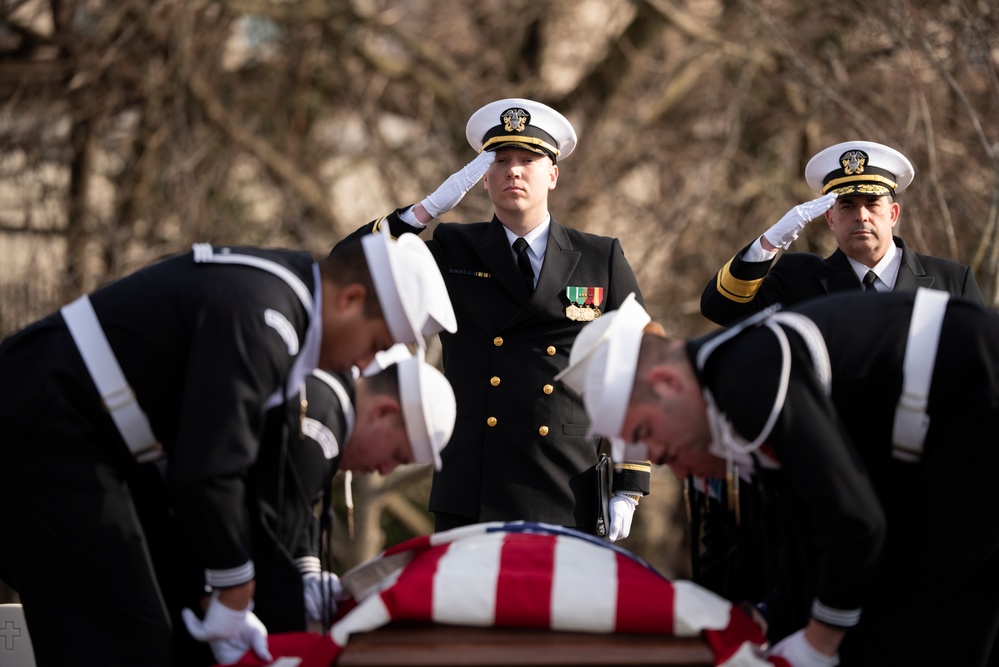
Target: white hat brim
(428, 409)
(884, 157)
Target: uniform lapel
(495, 252)
(911, 274)
(838, 275)
(560, 261)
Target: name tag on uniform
(474, 274)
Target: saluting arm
(450, 192)
(730, 293)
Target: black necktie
(869, 281)
(524, 262)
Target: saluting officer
(858, 182)
(869, 424)
(522, 285)
(180, 360)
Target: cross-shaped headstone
(9, 632)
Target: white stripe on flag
(584, 587)
(465, 582)
(696, 609)
(366, 616)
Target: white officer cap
(602, 365)
(410, 288)
(859, 168)
(523, 124)
(428, 406)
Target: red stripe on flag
(726, 643)
(524, 586)
(412, 596)
(645, 601)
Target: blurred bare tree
(130, 129)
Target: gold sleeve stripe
(734, 289)
(635, 466)
(378, 226)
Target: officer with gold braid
(858, 182)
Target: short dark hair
(384, 382)
(656, 349)
(346, 265)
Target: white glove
(799, 653)
(230, 632)
(450, 192)
(787, 228)
(622, 510)
(318, 600)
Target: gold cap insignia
(853, 162)
(515, 120)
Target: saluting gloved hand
(787, 228)
(622, 510)
(799, 653)
(230, 632)
(451, 191)
(323, 591)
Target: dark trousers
(936, 600)
(73, 548)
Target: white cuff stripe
(307, 564)
(231, 577)
(842, 618)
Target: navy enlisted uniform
(314, 435)
(520, 450)
(756, 277)
(179, 361)
(289, 481)
(869, 428)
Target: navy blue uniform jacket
(519, 448)
(742, 288)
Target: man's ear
(386, 406)
(664, 380)
(350, 295)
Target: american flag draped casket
(525, 575)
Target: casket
(522, 594)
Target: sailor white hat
(859, 168)
(602, 364)
(427, 399)
(622, 450)
(524, 124)
(409, 285)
